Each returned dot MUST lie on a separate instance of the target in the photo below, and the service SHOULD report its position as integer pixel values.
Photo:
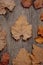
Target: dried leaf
(41, 16)
(35, 63)
(23, 58)
(9, 4)
(39, 40)
(2, 39)
(0, 63)
(26, 3)
(38, 4)
(21, 28)
(5, 59)
(40, 31)
(37, 54)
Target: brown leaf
(35, 63)
(41, 16)
(40, 31)
(2, 38)
(5, 59)
(37, 53)
(9, 4)
(38, 4)
(0, 63)
(21, 28)
(39, 40)
(26, 3)
(23, 58)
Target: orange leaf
(39, 40)
(40, 30)
(41, 16)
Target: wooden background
(7, 21)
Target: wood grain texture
(7, 21)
